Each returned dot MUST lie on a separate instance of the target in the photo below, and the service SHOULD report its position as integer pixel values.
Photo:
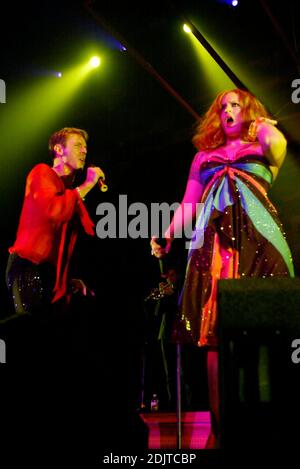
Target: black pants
(40, 332)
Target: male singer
(53, 212)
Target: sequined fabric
(30, 285)
(243, 237)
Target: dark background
(140, 134)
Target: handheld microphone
(103, 187)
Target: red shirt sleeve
(49, 193)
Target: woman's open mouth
(229, 120)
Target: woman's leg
(214, 398)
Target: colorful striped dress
(237, 234)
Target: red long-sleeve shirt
(47, 209)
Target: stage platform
(163, 429)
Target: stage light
(47, 97)
(58, 74)
(234, 3)
(186, 28)
(95, 62)
(217, 79)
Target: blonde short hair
(61, 137)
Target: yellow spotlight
(186, 28)
(95, 62)
(216, 79)
(47, 99)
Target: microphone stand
(178, 394)
(178, 382)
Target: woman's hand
(272, 141)
(157, 250)
(254, 127)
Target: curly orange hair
(209, 132)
